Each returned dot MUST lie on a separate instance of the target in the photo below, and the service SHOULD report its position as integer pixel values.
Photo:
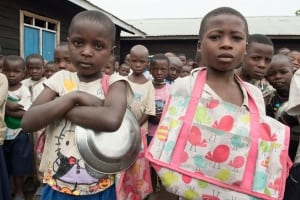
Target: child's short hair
(259, 38)
(10, 58)
(221, 11)
(49, 63)
(95, 16)
(34, 55)
(158, 57)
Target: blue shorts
(18, 155)
(50, 194)
(4, 181)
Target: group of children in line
(58, 95)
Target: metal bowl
(110, 152)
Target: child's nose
(226, 42)
(87, 50)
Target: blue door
(48, 45)
(31, 41)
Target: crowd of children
(43, 101)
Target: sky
(142, 9)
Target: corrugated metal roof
(277, 25)
(124, 25)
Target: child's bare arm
(103, 118)
(46, 109)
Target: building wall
(188, 46)
(60, 10)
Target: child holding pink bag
(214, 140)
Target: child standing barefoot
(77, 98)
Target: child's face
(62, 59)
(124, 70)
(186, 70)
(257, 60)
(223, 43)
(174, 71)
(138, 62)
(108, 69)
(35, 67)
(50, 69)
(91, 48)
(182, 59)
(280, 75)
(15, 72)
(295, 59)
(159, 70)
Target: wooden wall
(60, 10)
(188, 46)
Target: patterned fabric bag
(135, 182)
(210, 149)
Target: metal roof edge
(124, 25)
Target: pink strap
(104, 83)
(188, 118)
(254, 134)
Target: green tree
(297, 12)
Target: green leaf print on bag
(201, 115)
(169, 178)
(190, 194)
(202, 184)
(172, 111)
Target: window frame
(39, 17)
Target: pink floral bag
(135, 182)
(210, 149)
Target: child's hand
(13, 107)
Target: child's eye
(237, 38)
(256, 58)
(68, 61)
(215, 37)
(77, 43)
(98, 46)
(268, 60)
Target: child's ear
(198, 45)
(112, 51)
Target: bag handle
(188, 120)
(188, 117)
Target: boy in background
(35, 81)
(109, 68)
(175, 67)
(144, 103)
(62, 58)
(50, 69)
(295, 59)
(124, 70)
(17, 144)
(279, 76)
(256, 64)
